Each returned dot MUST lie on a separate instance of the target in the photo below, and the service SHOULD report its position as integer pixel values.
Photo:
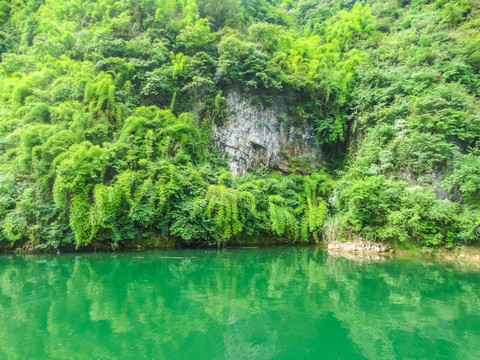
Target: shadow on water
(240, 303)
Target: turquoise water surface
(265, 303)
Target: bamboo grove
(107, 109)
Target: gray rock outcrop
(257, 134)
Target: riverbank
(154, 243)
(367, 250)
(361, 250)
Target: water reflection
(242, 303)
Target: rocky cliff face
(256, 134)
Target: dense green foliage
(107, 107)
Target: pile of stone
(360, 247)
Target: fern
(313, 219)
(282, 220)
(223, 207)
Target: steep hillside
(208, 122)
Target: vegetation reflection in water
(240, 303)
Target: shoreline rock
(367, 250)
(361, 247)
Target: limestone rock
(255, 134)
(362, 247)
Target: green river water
(266, 303)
